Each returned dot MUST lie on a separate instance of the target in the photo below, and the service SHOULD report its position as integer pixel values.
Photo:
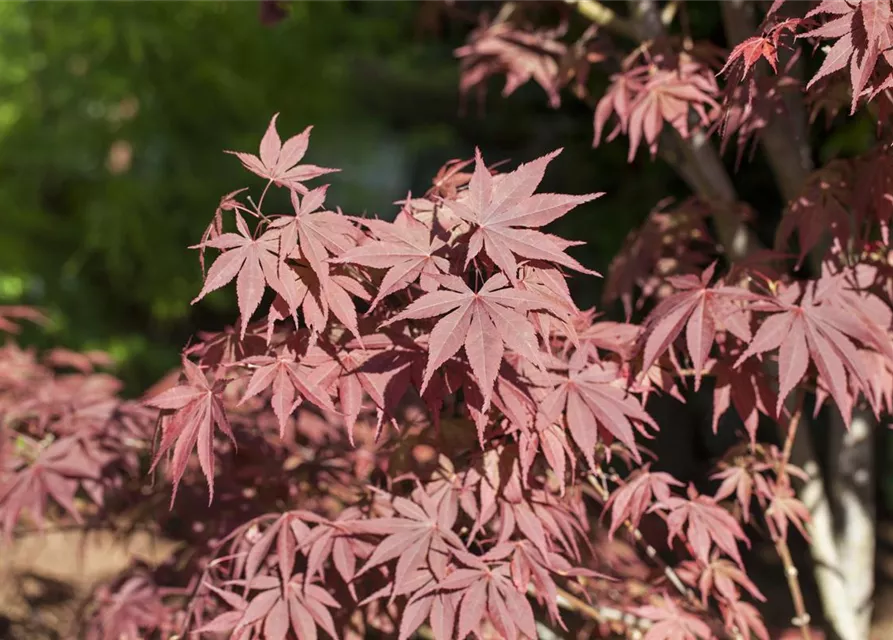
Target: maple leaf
(133, 610)
(481, 589)
(254, 261)
(645, 98)
(406, 248)
(672, 623)
(318, 234)
(483, 322)
(196, 410)
(278, 162)
(702, 310)
(816, 331)
(594, 396)
(522, 55)
(289, 380)
(764, 46)
(719, 576)
(449, 179)
(632, 500)
(863, 30)
(503, 211)
(57, 471)
(279, 606)
(421, 536)
(290, 531)
(741, 481)
(784, 508)
(751, 51)
(745, 619)
(745, 388)
(708, 525)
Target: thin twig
(600, 613)
(802, 618)
(650, 551)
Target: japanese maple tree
(412, 429)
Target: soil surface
(46, 579)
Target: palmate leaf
(594, 396)
(813, 330)
(646, 97)
(672, 622)
(719, 576)
(521, 55)
(133, 610)
(702, 310)
(290, 380)
(485, 323)
(278, 162)
(631, 501)
(276, 608)
(706, 525)
(420, 537)
(196, 408)
(252, 261)
(746, 618)
(504, 212)
(864, 33)
(458, 604)
(406, 248)
(58, 472)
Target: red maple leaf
(196, 410)
(719, 576)
(708, 524)
(504, 211)
(484, 322)
(864, 30)
(278, 162)
(751, 51)
(784, 508)
(316, 234)
(133, 610)
(280, 606)
(672, 623)
(406, 248)
(57, 471)
(816, 330)
(702, 310)
(254, 260)
(645, 98)
(503, 48)
(421, 536)
(481, 589)
(594, 395)
(745, 388)
(746, 620)
(290, 380)
(632, 500)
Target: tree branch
(604, 17)
(785, 138)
